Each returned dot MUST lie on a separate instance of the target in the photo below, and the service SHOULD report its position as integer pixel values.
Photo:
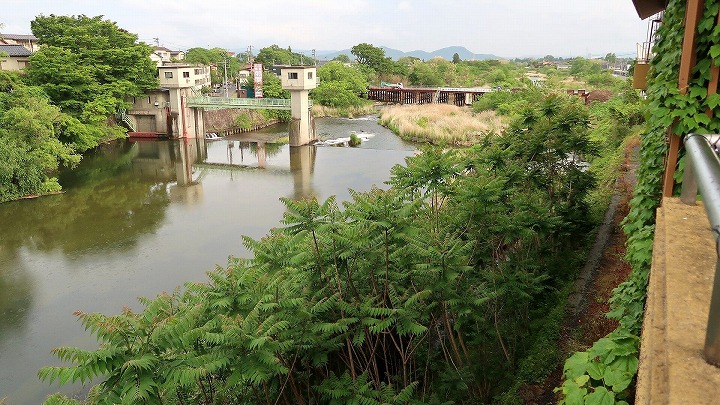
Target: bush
(244, 121)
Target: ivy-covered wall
(605, 373)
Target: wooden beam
(693, 12)
(714, 76)
(687, 60)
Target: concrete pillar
(302, 130)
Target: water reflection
(16, 293)
(302, 166)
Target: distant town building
(177, 75)
(162, 56)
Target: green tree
(88, 66)
(274, 55)
(343, 58)
(115, 59)
(456, 58)
(581, 67)
(369, 55)
(30, 146)
(218, 57)
(340, 86)
(272, 86)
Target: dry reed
(440, 124)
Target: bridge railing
(254, 103)
(702, 171)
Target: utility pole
(225, 83)
(314, 60)
(157, 41)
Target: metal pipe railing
(702, 171)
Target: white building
(165, 111)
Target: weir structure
(175, 110)
(459, 96)
(299, 80)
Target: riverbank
(238, 120)
(343, 112)
(440, 124)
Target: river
(139, 218)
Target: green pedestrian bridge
(252, 103)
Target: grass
(440, 124)
(347, 112)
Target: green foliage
(88, 66)
(354, 140)
(31, 149)
(218, 57)
(342, 58)
(422, 293)
(601, 374)
(340, 86)
(274, 55)
(580, 67)
(374, 59)
(272, 86)
(243, 121)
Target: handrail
(260, 103)
(702, 171)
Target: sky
(506, 28)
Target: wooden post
(687, 62)
(714, 76)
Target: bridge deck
(473, 90)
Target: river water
(139, 218)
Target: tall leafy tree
(274, 55)
(88, 66)
(340, 85)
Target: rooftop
(19, 37)
(15, 50)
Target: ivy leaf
(617, 379)
(574, 394)
(576, 365)
(713, 100)
(625, 363)
(582, 380)
(601, 396)
(715, 51)
(596, 370)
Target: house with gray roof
(28, 41)
(17, 57)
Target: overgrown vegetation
(63, 104)
(431, 291)
(603, 372)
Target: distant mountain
(446, 53)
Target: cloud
(505, 28)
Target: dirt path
(604, 270)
